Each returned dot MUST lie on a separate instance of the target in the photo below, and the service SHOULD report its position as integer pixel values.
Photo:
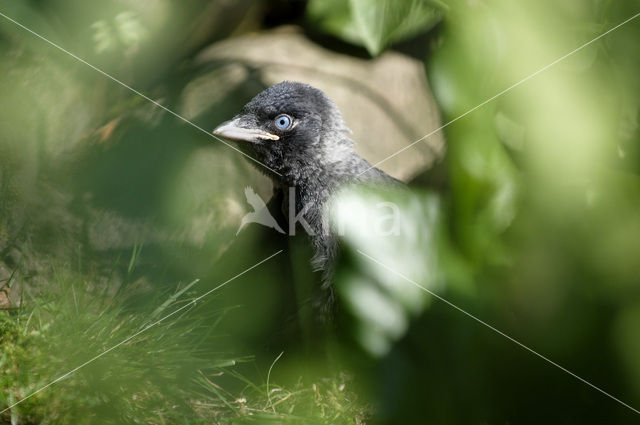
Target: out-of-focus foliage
(375, 24)
(530, 223)
(388, 231)
(541, 211)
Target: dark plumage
(298, 133)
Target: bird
(260, 213)
(298, 138)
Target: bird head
(292, 128)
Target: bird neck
(324, 168)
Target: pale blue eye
(283, 122)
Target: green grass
(166, 374)
(326, 401)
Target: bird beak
(232, 130)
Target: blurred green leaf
(388, 233)
(627, 342)
(28, 15)
(375, 24)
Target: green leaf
(383, 22)
(375, 24)
(392, 240)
